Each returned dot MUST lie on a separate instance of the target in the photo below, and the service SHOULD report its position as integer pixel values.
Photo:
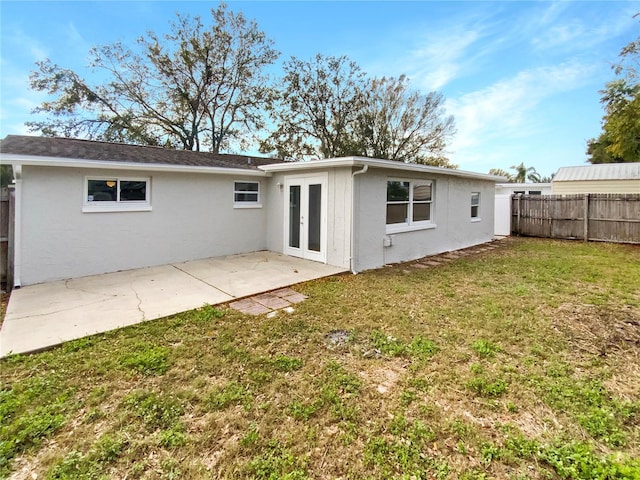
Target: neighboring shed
(85, 208)
(599, 178)
(523, 188)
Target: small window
(535, 192)
(409, 204)
(246, 194)
(115, 193)
(475, 205)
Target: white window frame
(247, 203)
(475, 218)
(410, 225)
(117, 205)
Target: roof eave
(379, 163)
(42, 161)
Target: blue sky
(521, 78)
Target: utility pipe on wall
(353, 216)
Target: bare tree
(199, 87)
(319, 102)
(403, 125)
(329, 108)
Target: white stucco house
(85, 207)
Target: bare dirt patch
(601, 330)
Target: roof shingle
(119, 152)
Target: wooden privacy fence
(598, 217)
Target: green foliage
(577, 460)
(147, 359)
(77, 345)
(156, 411)
(303, 411)
(601, 415)
(108, 448)
(75, 466)
(172, 438)
(231, 394)
(208, 313)
(485, 348)
(387, 344)
(25, 421)
(6, 175)
(251, 437)
(278, 463)
(620, 137)
(486, 387)
(27, 431)
(422, 348)
(287, 364)
(404, 453)
(522, 174)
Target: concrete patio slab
(45, 315)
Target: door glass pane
(294, 216)
(313, 224)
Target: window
(409, 204)
(535, 192)
(246, 194)
(108, 194)
(475, 205)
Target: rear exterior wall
(192, 217)
(451, 215)
(338, 212)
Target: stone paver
(295, 297)
(269, 302)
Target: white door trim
(304, 181)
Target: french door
(305, 217)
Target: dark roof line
(60, 147)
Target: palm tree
(501, 173)
(525, 173)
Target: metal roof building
(599, 178)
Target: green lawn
(523, 362)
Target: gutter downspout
(17, 227)
(353, 216)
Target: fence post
(586, 217)
(518, 217)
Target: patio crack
(201, 280)
(139, 306)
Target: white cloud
(439, 58)
(507, 110)
(18, 39)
